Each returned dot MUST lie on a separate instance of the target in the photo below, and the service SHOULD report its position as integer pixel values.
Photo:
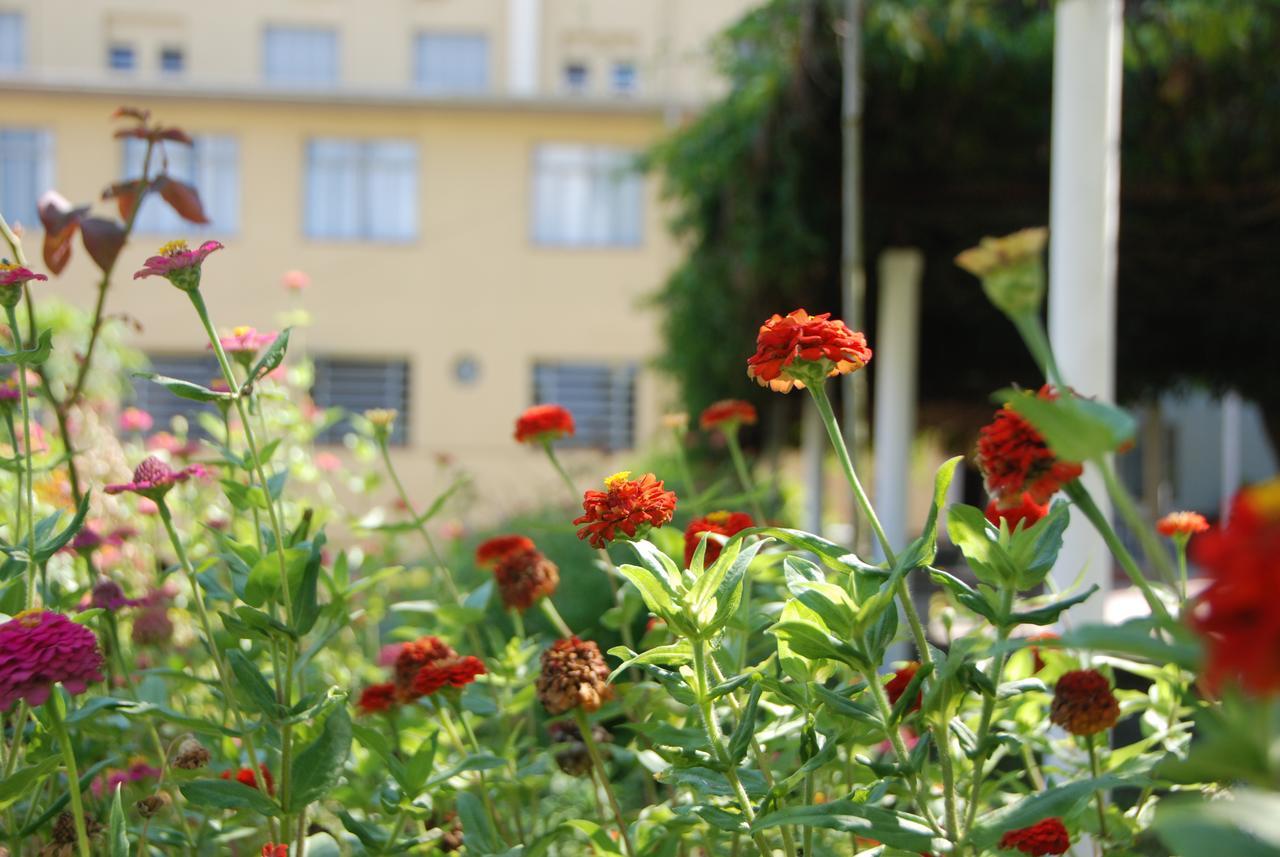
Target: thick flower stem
(1034, 337)
(1151, 546)
(1095, 769)
(1180, 544)
(1080, 495)
(995, 671)
(26, 454)
(819, 393)
(214, 654)
(73, 775)
(876, 689)
(943, 731)
(597, 762)
(712, 727)
(553, 615)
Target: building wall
(473, 283)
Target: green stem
(744, 474)
(584, 729)
(549, 610)
(686, 474)
(73, 774)
(447, 720)
(1180, 544)
(1080, 495)
(943, 731)
(1129, 511)
(1033, 335)
(712, 727)
(21, 372)
(564, 474)
(995, 670)
(1095, 768)
(900, 749)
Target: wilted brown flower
(1083, 703)
(63, 839)
(152, 805)
(524, 577)
(571, 752)
(191, 755)
(450, 827)
(574, 675)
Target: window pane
(362, 189)
(359, 385)
(601, 398)
(212, 165)
(576, 77)
(13, 41)
(120, 58)
(624, 77)
(172, 60)
(392, 186)
(452, 63)
(26, 171)
(333, 189)
(586, 196)
(300, 56)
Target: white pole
(1232, 459)
(1083, 224)
(813, 449)
(523, 22)
(897, 340)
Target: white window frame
(596, 202)
(370, 192)
(38, 172)
(13, 42)
(321, 61)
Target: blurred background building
(455, 176)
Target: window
(163, 406)
(576, 77)
(120, 57)
(586, 196)
(172, 60)
(452, 63)
(624, 77)
(359, 385)
(300, 56)
(601, 397)
(13, 41)
(212, 165)
(362, 189)
(26, 171)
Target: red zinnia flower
(490, 552)
(524, 577)
(720, 523)
(1035, 650)
(413, 657)
(178, 264)
(1014, 459)
(273, 850)
(897, 685)
(1044, 837)
(632, 506)
(1025, 511)
(377, 698)
(245, 777)
(728, 414)
(1083, 703)
(794, 349)
(446, 672)
(544, 423)
(1185, 524)
(40, 648)
(1239, 614)
(153, 478)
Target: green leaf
(23, 781)
(1049, 613)
(63, 799)
(1076, 429)
(657, 593)
(117, 834)
(833, 556)
(32, 356)
(271, 358)
(597, 835)
(1132, 639)
(228, 794)
(481, 836)
(965, 594)
(317, 769)
(253, 686)
(831, 602)
(810, 641)
(264, 577)
(46, 548)
(1245, 824)
(895, 829)
(671, 654)
(744, 734)
(1060, 801)
(185, 389)
(972, 533)
(941, 485)
(1034, 550)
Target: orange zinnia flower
(799, 348)
(720, 523)
(1183, 524)
(543, 423)
(1017, 464)
(490, 552)
(628, 506)
(728, 414)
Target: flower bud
(191, 755)
(1011, 269)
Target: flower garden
(190, 666)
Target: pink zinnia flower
(153, 479)
(12, 279)
(178, 264)
(108, 595)
(135, 419)
(166, 442)
(328, 462)
(245, 342)
(295, 281)
(38, 649)
(132, 774)
(11, 392)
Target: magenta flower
(108, 595)
(90, 538)
(153, 479)
(12, 279)
(135, 772)
(135, 419)
(166, 442)
(178, 264)
(11, 392)
(40, 648)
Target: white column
(1232, 456)
(896, 358)
(1083, 224)
(813, 453)
(524, 19)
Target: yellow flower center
(29, 618)
(718, 517)
(617, 479)
(242, 330)
(9, 266)
(1266, 498)
(173, 248)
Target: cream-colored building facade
(452, 174)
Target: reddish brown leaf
(126, 196)
(60, 221)
(177, 135)
(182, 198)
(103, 239)
(139, 131)
(126, 112)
